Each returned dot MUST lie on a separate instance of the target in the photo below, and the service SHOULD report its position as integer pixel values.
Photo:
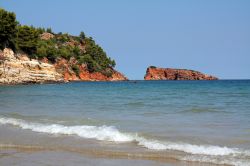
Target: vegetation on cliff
(40, 43)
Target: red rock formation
(22, 69)
(19, 69)
(154, 73)
(117, 76)
(63, 67)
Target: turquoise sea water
(204, 121)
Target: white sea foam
(110, 133)
(107, 133)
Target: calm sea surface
(200, 121)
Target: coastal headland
(20, 69)
(37, 55)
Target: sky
(211, 36)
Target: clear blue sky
(212, 36)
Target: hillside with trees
(41, 43)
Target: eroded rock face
(117, 76)
(63, 66)
(20, 69)
(154, 73)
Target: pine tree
(27, 38)
(82, 35)
(8, 30)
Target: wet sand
(38, 157)
(59, 158)
(24, 147)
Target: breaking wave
(110, 133)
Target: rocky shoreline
(19, 69)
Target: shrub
(49, 30)
(76, 69)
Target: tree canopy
(26, 39)
(8, 29)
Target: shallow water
(204, 121)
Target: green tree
(8, 30)
(65, 52)
(76, 51)
(52, 54)
(76, 69)
(88, 60)
(27, 38)
(63, 38)
(82, 35)
(49, 30)
(42, 47)
(40, 30)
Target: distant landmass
(155, 73)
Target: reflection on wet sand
(9, 153)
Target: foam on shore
(110, 133)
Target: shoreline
(59, 82)
(88, 147)
(103, 154)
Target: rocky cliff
(63, 66)
(154, 73)
(19, 69)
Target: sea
(126, 123)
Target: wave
(107, 133)
(110, 133)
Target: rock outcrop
(19, 69)
(154, 73)
(46, 36)
(63, 67)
